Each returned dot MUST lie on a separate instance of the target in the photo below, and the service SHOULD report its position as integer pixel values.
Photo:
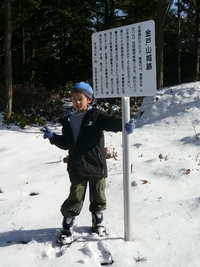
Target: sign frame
(124, 61)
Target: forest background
(45, 47)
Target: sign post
(126, 171)
(124, 65)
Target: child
(82, 135)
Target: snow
(165, 199)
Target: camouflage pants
(72, 206)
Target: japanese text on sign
(124, 61)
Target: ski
(98, 246)
(76, 237)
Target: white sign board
(124, 61)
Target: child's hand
(130, 126)
(47, 133)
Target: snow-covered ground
(165, 187)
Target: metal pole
(126, 171)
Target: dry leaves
(161, 157)
(33, 194)
(66, 159)
(144, 181)
(187, 171)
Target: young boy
(82, 135)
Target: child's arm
(114, 123)
(57, 140)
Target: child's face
(80, 101)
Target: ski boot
(66, 236)
(97, 226)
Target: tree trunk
(178, 44)
(106, 15)
(109, 13)
(62, 48)
(8, 60)
(23, 55)
(159, 42)
(197, 40)
(33, 61)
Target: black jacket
(87, 156)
